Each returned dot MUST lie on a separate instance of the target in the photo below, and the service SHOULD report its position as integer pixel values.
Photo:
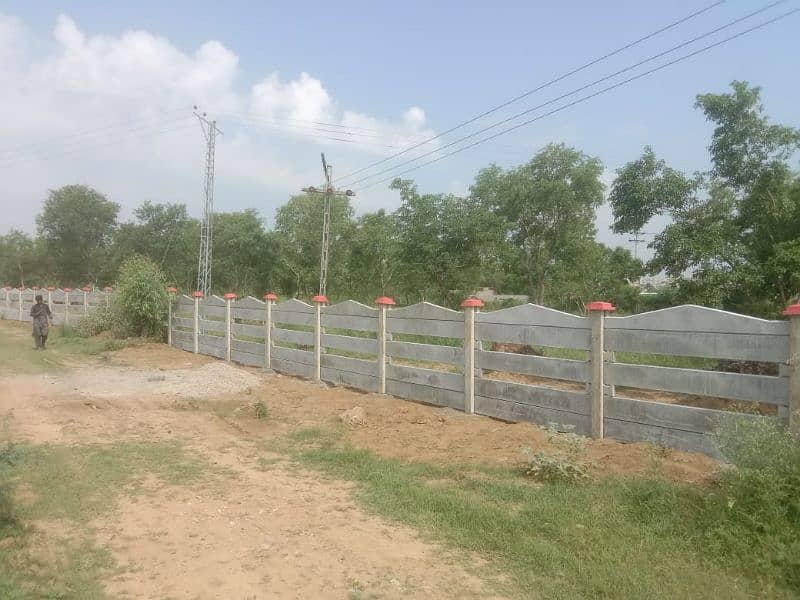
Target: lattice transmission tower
(210, 132)
(328, 194)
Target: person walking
(42, 317)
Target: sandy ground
(271, 530)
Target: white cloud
(91, 109)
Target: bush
(99, 320)
(140, 300)
(562, 464)
(755, 510)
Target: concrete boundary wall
(477, 362)
(68, 306)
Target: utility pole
(637, 239)
(210, 132)
(328, 195)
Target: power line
(572, 92)
(543, 86)
(89, 132)
(303, 131)
(589, 96)
(25, 159)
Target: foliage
(99, 320)
(261, 410)
(755, 512)
(141, 297)
(646, 187)
(562, 464)
(732, 242)
(444, 243)
(548, 206)
(77, 224)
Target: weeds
(562, 464)
(261, 410)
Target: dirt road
(255, 524)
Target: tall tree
(244, 253)
(444, 241)
(298, 228)
(744, 143)
(20, 261)
(644, 188)
(373, 258)
(77, 224)
(548, 205)
(165, 234)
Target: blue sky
(378, 59)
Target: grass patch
(75, 485)
(620, 538)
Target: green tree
(548, 206)
(244, 253)
(373, 263)
(21, 261)
(165, 234)
(444, 241)
(744, 143)
(298, 232)
(644, 188)
(77, 224)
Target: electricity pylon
(210, 132)
(328, 195)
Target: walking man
(40, 313)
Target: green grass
(74, 485)
(638, 358)
(17, 353)
(616, 538)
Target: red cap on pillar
(472, 302)
(67, 289)
(108, 289)
(51, 288)
(230, 296)
(793, 310)
(270, 296)
(197, 294)
(34, 288)
(86, 288)
(385, 301)
(319, 299)
(604, 306)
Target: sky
(102, 93)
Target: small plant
(561, 464)
(261, 410)
(141, 297)
(8, 517)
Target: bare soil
(262, 527)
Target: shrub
(755, 509)
(99, 320)
(561, 464)
(141, 297)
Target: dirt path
(258, 526)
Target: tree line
(733, 240)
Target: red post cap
(604, 306)
(86, 289)
(197, 294)
(67, 289)
(793, 310)
(21, 289)
(320, 299)
(51, 288)
(385, 301)
(270, 296)
(34, 288)
(230, 296)
(472, 302)
(108, 289)
(171, 289)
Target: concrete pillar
(197, 296)
(597, 314)
(793, 312)
(384, 305)
(269, 299)
(229, 298)
(319, 301)
(471, 306)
